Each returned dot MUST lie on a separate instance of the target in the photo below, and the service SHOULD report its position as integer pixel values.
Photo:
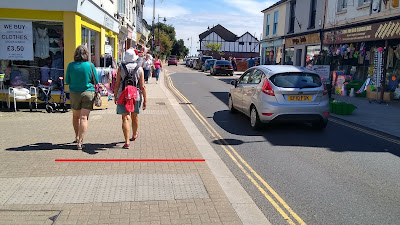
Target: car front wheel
(255, 119)
(230, 105)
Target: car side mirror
(234, 82)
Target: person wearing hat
(131, 66)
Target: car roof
(211, 60)
(271, 70)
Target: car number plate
(299, 98)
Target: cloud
(249, 6)
(190, 23)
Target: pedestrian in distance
(130, 76)
(158, 67)
(251, 62)
(234, 63)
(81, 78)
(147, 63)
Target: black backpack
(130, 78)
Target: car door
(237, 93)
(250, 89)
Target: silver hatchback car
(270, 93)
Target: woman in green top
(79, 77)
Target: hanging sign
(16, 40)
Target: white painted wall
(47, 5)
(355, 13)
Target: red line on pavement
(130, 160)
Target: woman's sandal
(126, 146)
(135, 137)
(76, 140)
(80, 146)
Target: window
(275, 23)
(121, 6)
(256, 77)
(296, 80)
(249, 43)
(292, 16)
(241, 43)
(313, 14)
(267, 28)
(245, 77)
(363, 2)
(342, 5)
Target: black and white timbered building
(245, 46)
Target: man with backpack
(130, 93)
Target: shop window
(289, 55)
(91, 39)
(312, 53)
(40, 56)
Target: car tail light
(326, 114)
(217, 67)
(230, 67)
(325, 90)
(268, 114)
(267, 88)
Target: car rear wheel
(255, 119)
(319, 125)
(230, 105)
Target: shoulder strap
(92, 72)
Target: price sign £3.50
(16, 40)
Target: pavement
(381, 117)
(36, 189)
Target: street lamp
(190, 45)
(165, 20)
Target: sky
(192, 17)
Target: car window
(256, 77)
(245, 77)
(296, 80)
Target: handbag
(97, 94)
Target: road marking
(365, 131)
(232, 153)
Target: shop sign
(372, 32)
(323, 71)
(303, 40)
(16, 40)
(108, 22)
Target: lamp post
(154, 17)
(190, 45)
(165, 20)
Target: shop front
(353, 53)
(36, 46)
(271, 52)
(302, 50)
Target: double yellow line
(280, 205)
(364, 131)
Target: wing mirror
(234, 82)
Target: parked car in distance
(187, 62)
(207, 64)
(172, 61)
(192, 60)
(275, 93)
(222, 67)
(202, 61)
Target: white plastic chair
(21, 94)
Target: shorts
(121, 108)
(82, 100)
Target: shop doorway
(299, 54)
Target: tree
(165, 43)
(214, 47)
(179, 49)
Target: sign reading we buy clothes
(16, 40)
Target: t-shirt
(79, 76)
(251, 62)
(157, 64)
(147, 64)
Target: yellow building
(42, 35)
